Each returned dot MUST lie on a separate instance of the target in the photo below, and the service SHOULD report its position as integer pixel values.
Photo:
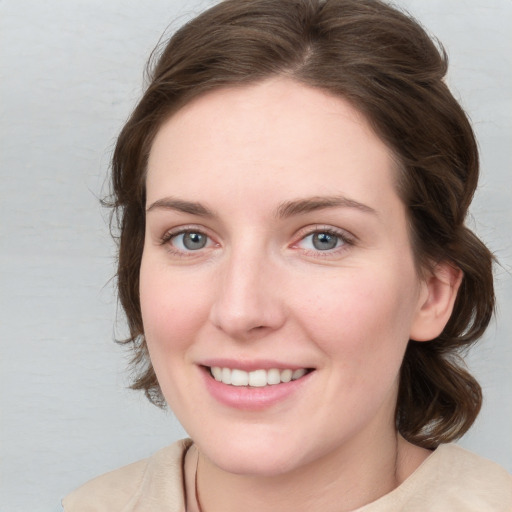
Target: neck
(343, 480)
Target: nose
(247, 302)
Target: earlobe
(436, 302)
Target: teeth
(256, 378)
(226, 375)
(273, 376)
(216, 372)
(297, 374)
(238, 377)
(286, 375)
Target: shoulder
(455, 479)
(451, 479)
(157, 479)
(470, 471)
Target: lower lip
(252, 398)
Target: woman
(291, 193)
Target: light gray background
(70, 74)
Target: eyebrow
(285, 210)
(311, 204)
(191, 207)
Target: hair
(384, 63)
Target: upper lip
(249, 366)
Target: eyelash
(345, 239)
(169, 235)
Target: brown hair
(384, 63)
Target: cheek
(363, 320)
(172, 308)
(173, 311)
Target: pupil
(324, 241)
(194, 241)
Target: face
(276, 248)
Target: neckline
(403, 489)
(392, 496)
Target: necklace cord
(196, 490)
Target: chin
(266, 454)
(252, 462)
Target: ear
(437, 297)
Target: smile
(257, 378)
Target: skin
(260, 289)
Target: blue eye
(189, 241)
(322, 241)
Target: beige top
(450, 480)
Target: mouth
(258, 378)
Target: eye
(322, 240)
(187, 241)
(192, 241)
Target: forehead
(277, 135)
